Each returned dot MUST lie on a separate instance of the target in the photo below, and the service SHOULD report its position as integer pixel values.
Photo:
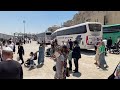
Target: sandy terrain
(86, 66)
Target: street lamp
(24, 28)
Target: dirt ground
(87, 68)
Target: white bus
(87, 34)
(45, 37)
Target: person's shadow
(105, 69)
(76, 74)
(40, 66)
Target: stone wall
(105, 17)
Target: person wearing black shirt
(21, 52)
(10, 69)
(71, 47)
(109, 44)
(76, 54)
(71, 44)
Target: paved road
(86, 66)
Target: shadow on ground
(75, 74)
(88, 52)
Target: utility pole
(24, 27)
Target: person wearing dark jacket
(21, 52)
(71, 44)
(71, 48)
(76, 54)
(109, 44)
(10, 69)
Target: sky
(36, 21)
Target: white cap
(7, 49)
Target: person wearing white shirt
(105, 42)
(13, 47)
(32, 63)
(10, 45)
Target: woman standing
(59, 63)
(65, 54)
(97, 55)
(41, 54)
(102, 61)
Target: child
(31, 60)
(59, 64)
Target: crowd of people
(61, 54)
(111, 47)
(64, 54)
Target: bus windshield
(94, 27)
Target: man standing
(71, 44)
(21, 52)
(24, 41)
(76, 54)
(109, 44)
(13, 43)
(10, 69)
(70, 61)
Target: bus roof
(76, 26)
(111, 25)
